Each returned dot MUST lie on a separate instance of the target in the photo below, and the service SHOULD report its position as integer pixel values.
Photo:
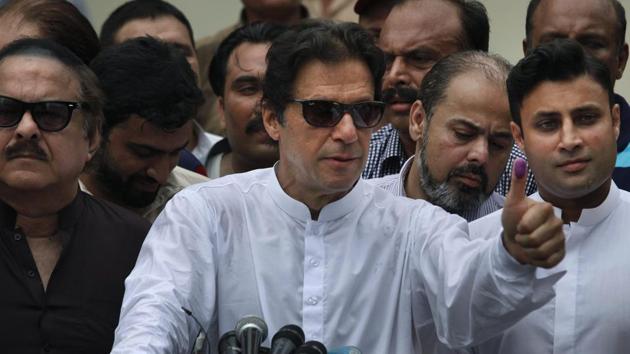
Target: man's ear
(524, 44)
(270, 120)
(517, 133)
(616, 119)
(94, 143)
(623, 60)
(221, 108)
(417, 117)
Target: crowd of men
(387, 184)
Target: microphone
(311, 347)
(251, 331)
(287, 339)
(228, 344)
(345, 350)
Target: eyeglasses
(50, 116)
(322, 113)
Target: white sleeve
(175, 268)
(475, 288)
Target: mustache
(471, 169)
(28, 148)
(255, 124)
(399, 93)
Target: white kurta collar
(592, 216)
(299, 210)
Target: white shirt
(395, 184)
(591, 311)
(373, 271)
(205, 142)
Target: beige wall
(208, 16)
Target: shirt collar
(222, 146)
(593, 216)
(330, 212)
(68, 216)
(393, 147)
(404, 171)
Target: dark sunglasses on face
(50, 116)
(323, 113)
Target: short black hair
(438, 79)
(260, 32)
(150, 78)
(558, 60)
(140, 9)
(475, 24)
(58, 20)
(619, 11)
(90, 93)
(317, 40)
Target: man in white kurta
(571, 149)
(308, 242)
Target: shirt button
(17, 237)
(312, 300)
(314, 262)
(46, 348)
(31, 273)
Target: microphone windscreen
(251, 322)
(228, 344)
(291, 332)
(312, 347)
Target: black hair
(620, 12)
(150, 78)
(260, 32)
(438, 79)
(475, 24)
(558, 60)
(90, 93)
(140, 9)
(59, 21)
(325, 41)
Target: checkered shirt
(386, 155)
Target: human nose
(27, 127)
(478, 151)
(570, 138)
(161, 168)
(396, 73)
(345, 130)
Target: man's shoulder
(181, 177)
(390, 183)
(102, 214)
(231, 185)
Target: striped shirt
(395, 184)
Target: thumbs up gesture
(532, 234)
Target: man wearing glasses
(63, 254)
(309, 242)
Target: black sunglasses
(50, 116)
(322, 113)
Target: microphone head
(251, 322)
(228, 341)
(345, 350)
(291, 332)
(311, 347)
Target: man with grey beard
(461, 126)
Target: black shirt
(79, 311)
